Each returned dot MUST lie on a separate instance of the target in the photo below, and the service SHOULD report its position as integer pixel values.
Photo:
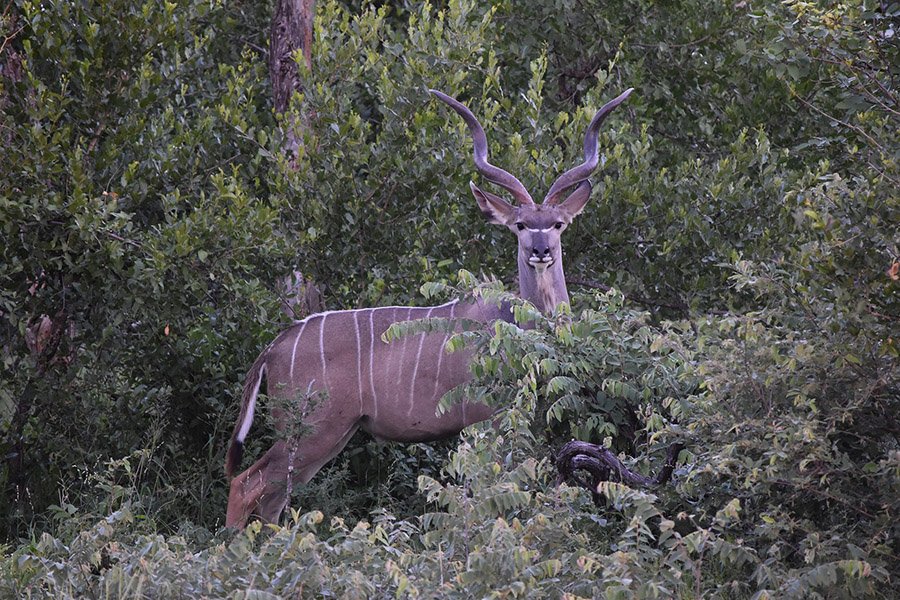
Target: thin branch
(256, 47)
(228, 161)
(875, 313)
(119, 238)
(806, 488)
(11, 37)
(861, 76)
(844, 123)
(670, 46)
(681, 307)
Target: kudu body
(391, 390)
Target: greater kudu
(391, 390)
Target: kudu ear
(574, 204)
(494, 208)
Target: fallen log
(603, 465)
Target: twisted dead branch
(603, 465)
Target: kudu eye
(521, 226)
(558, 225)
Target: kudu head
(538, 227)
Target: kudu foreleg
(264, 489)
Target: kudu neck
(544, 288)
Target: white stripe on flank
(358, 363)
(437, 375)
(412, 386)
(402, 360)
(372, 362)
(303, 323)
(322, 348)
(294, 351)
(248, 419)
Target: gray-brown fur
(334, 373)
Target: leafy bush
(742, 237)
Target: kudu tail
(248, 406)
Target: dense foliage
(735, 279)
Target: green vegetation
(735, 283)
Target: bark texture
(603, 465)
(292, 29)
(292, 33)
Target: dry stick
(10, 37)
(858, 72)
(844, 123)
(119, 238)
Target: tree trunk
(292, 29)
(292, 32)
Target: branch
(696, 42)
(844, 123)
(603, 465)
(681, 307)
(10, 37)
(119, 238)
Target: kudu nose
(541, 252)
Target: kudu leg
(268, 478)
(264, 489)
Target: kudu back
(344, 377)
